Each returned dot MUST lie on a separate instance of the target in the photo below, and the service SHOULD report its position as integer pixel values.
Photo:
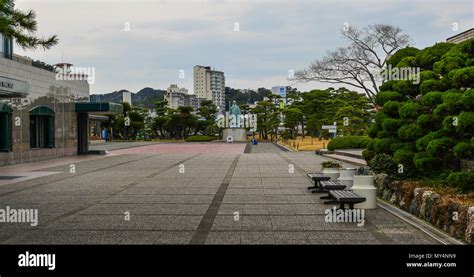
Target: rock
(470, 226)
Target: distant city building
(210, 84)
(127, 97)
(178, 97)
(468, 34)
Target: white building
(127, 97)
(210, 84)
(178, 97)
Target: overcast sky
(273, 37)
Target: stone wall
(425, 203)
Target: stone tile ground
(170, 195)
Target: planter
(347, 176)
(331, 172)
(364, 186)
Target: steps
(353, 156)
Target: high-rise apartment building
(210, 84)
(178, 97)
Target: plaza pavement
(212, 193)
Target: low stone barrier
(450, 213)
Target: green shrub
(199, 138)
(434, 85)
(428, 122)
(401, 54)
(385, 96)
(383, 134)
(383, 163)
(463, 77)
(331, 164)
(406, 87)
(407, 62)
(468, 99)
(387, 86)
(423, 142)
(464, 150)
(373, 131)
(368, 154)
(409, 110)
(461, 180)
(427, 75)
(408, 146)
(439, 147)
(465, 123)
(391, 108)
(431, 99)
(348, 142)
(428, 56)
(391, 125)
(410, 132)
(405, 158)
(425, 163)
(383, 145)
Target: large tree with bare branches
(361, 62)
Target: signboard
(13, 88)
(328, 127)
(282, 91)
(332, 131)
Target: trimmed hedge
(349, 142)
(199, 138)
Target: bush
(464, 150)
(401, 54)
(409, 110)
(423, 142)
(348, 142)
(428, 122)
(383, 163)
(439, 147)
(368, 154)
(391, 108)
(461, 180)
(331, 164)
(384, 145)
(199, 138)
(410, 132)
(385, 96)
(405, 158)
(425, 163)
(463, 77)
(431, 99)
(391, 125)
(434, 85)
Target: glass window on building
(42, 127)
(5, 128)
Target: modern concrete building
(127, 97)
(210, 84)
(42, 115)
(468, 34)
(178, 97)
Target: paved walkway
(155, 195)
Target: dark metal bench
(317, 178)
(344, 197)
(329, 186)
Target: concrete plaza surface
(204, 193)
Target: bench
(317, 178)
(329, 186)
(346, 197)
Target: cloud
(273, 37)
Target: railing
(28, 61)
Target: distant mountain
(145, 97)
